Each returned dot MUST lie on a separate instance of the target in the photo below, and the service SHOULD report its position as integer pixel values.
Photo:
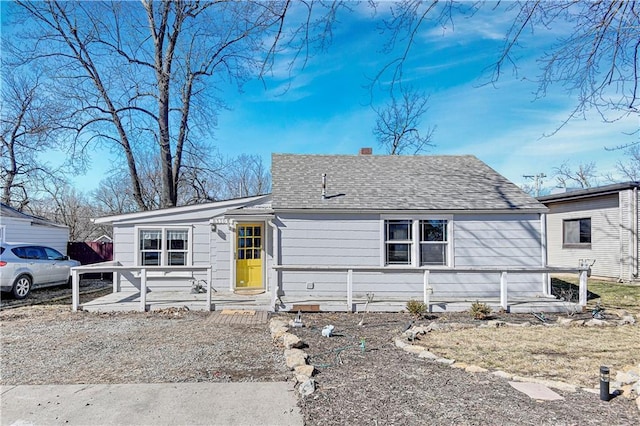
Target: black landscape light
(604, 383)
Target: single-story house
(351, 224)
(596, 226)
(16, 226)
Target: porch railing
(427, 290)
(116, 268)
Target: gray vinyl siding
(124, 248)
(497, 241)
(605, 249)
(311, 239)
(479, 241)
(221, 257)
(208, 246)
(23, 231)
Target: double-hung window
(416, 242)
(576, 233)
(433, 242)
(398, 242)
(163, 246)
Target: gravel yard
(380, 385)
(51, 345)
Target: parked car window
(36, 253)
(53, 254)
(20, 252)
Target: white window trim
(415, 244)
(164, 251)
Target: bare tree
(114, 196)
(69, 207)
(398, 123)
(247, 176)
(146, 72)
(597, 61)
(630, 167)
(27, 126)
(584, 176)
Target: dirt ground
(385, 385)
(380, 385)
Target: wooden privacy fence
(88, 252)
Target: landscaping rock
(427, 355)
(564, 322)
(276, 324)
(413, 349)
(475, 369)
(307, 388)
(627, 377)
(400, 343)
(503, 374)
(595, 323)
(460, 365)
(520, 324)
(306, 370)
(292, 341)
(627, 319)
(549, 383)
(295, 358)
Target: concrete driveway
(245, 403)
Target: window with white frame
(433, 242)
(163, 246)
(416, 242)
(398, 242)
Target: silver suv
(24, 266)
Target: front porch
(210, 299)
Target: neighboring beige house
(595, 225)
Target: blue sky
(325, 107)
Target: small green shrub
(480, 311)
(416, 308)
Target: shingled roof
(393, 182)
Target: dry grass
(611, 295)
(568, 354)
(571, 355)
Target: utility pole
(538, 181)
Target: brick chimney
(366, 151)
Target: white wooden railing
(116, 268)
(428, 290)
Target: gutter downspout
(232, 257)
(635, 255)
(546, 278)
(274, 284)
(621, 235)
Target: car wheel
(21, 287)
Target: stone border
(295, 357)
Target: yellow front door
(249, 255)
